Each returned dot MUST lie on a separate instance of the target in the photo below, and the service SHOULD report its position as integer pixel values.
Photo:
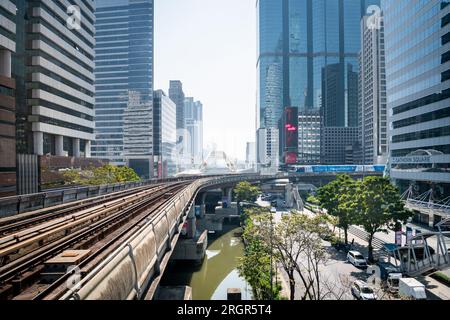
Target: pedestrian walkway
(436, 290)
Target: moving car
(356, 259)
(362, 291)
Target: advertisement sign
(291, 128)
(398, 238)
(291, 157)
(290, 147)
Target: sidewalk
(437, 290)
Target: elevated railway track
(24, 253)
(116, 245)
(110, 246)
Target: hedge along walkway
(436, 290)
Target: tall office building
(193, 116)
(7, 99)
(309, 126)
(123, 64)
(250, 155)
(54, 71)
(268, 150)
(176, 94)
(308, 58)
(417, 38)
(373, 104)
(164, 135)
(335, 144)
(138, 135)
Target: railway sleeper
(26, 279)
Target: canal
(211, 279)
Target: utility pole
(271, 254)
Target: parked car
(356, 259)
(410, 288)
(393, 282)
(362, 291)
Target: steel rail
(38, 256)
(15, 239)
(55, 290)
(25, 220)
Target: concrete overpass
(124, 262)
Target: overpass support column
(200, 207)
(227, 196)
(191, 223)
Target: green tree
(107, 174)
(380, 207)
(126, 174)
(336, 197)
(245, 191)
(255, 264)
(295, 244)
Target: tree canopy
(379, 207)
(336, 197)
(107, 174)
(245, 191)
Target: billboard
(290, 147)
(290, 158)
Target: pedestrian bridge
(424, 252)
(426, 204)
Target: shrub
(441, 277)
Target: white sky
(210, 45)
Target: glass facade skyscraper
(176, 94)
(123, 64)
(372, 95)
(164, 134)
(308, 58)
(417, 38)
(193, 113)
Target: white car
(362, 291)
(356, 259)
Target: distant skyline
(210, 45)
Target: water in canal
(217, 273)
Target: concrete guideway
(124, 262)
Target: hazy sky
(210, 45)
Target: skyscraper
(268, 150)
(123, 64)
(373, 108)
(176, 94)
(309, 125)
(138, 135)
(417, 41)
(164, 134)
(193, 113)
(7, 99)
(54, 71)
(314, 46)
(250, 155)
